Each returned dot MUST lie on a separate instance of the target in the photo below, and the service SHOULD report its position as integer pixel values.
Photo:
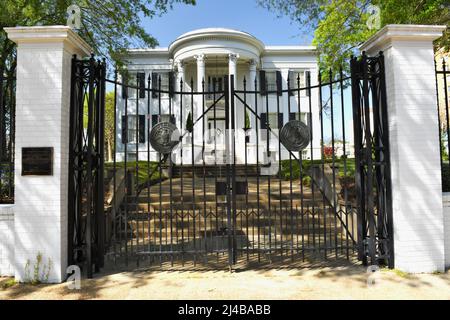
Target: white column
(198, 107)
(232, 65)
(251, 87)
(238, 111)
(180, 73)
(44, 57)
(414, 144)
(180, 77)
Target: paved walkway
(324, 283)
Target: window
(215, 84)
(275, 120)
(133, 81)
(270, 82)
(133, 128)
(162, 118)
(162, 81)
(303, 117)
(304, 77)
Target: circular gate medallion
(164, 137)
(295, 136)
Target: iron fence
(7, 133)
(294, 174)
(443, 98)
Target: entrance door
(217, 129)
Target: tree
(109, 26)
(340, 26)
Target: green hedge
(306, 165)
(143, 167)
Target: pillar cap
(42, 34)
(402, 32)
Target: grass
(306, 165)
(402, 274)
(143, 169)
(9, 283)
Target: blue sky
(244, 15)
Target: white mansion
(202, 59)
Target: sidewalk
(324, 283)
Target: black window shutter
(171, 84)
(280, 121)
(124, 87)
(155, 120)
(263, 120)
(141, 84)
(292, 116)
(124, 129)
(292, 83)
(262, 82)
(141, 129)
(155, 85)
(279, 83)
(308, 82)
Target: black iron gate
(227, 174)
(86, 165)
(373, 174)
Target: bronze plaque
(164, 137)
(295, 136)
(37, 161)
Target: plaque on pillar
(37, 161)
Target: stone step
(213, 171)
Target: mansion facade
(202, 61)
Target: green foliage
(347, 171)
(109, 26)
(444, 152)
(247, 121)
(8, 283)
(109, 124)
(143, 166)
(41, 272)
(340, 26)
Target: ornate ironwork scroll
(373, 176)
(86, 158)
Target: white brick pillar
(42, 120)
(414, 143)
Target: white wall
(446, 204)
(6, 240)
